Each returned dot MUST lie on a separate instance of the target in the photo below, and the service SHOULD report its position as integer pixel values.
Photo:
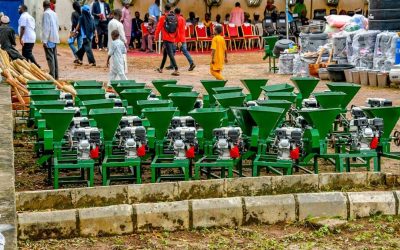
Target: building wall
(64, 9)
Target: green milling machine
(217, 136)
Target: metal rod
(287, 19)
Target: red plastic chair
(212, 29)
(233, 34)
(189, 35)
(226, 37)
(201, 36)
(249, 34)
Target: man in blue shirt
(154, 9)
(101, 12)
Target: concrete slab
(153, 192)
(169, 216)
(289, 184)
(103, 221)
(322, 205)
(365, 204)
(203, 189)
(342, 181)
(270, 209)
(251, 186)
(44, 199)
(222, 212)
(99, 196)
(45, 225)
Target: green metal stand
(272, 163)
(168, 162)
(212, 163)
(67, 161)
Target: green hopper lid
(158, 84)
(160, 119)
(174, 88)
(329, 99)
(99, 104)
(90, 94)
(305, 85)
(287, 96)
(184, 101)
(57, 120)
(266, 119)
(153, 104)
(208, 119)
(254, 86)
(282, 87)
(133, 96)
(108, 120)
(321, 119)
(390, 116)
(349, 89)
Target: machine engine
(229, 141)
(310, 103)
(66, 96)
(182, 136)
(288, 141)
(84, 138)
(183, 139)
(379, 102)
(132, 137)
(182, 121)
(364, 131)
(71, 107)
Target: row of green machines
(177, 135)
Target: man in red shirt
(182, 39)
(169, 38)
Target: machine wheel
(397, 138)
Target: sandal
(159, 70)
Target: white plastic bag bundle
(339, 42)
(286, 64)
(363, 49)
(385, 51)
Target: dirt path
(375, 233)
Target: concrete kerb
(221, 212)
(205, 213)
(39, 200)
(343, 181)
(205, 189)
(43, 225)
(333, 204)
(269, 209)
(397, 198)
(367, 204)
(169, 216)
(103, 221)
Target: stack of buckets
(373, 78)
(369, 77)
